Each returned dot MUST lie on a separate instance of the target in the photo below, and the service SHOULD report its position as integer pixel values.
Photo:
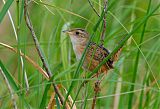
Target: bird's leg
(104, 75)
(96, 91)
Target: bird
(95, 53)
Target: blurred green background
(133, 83)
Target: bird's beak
(66, 31)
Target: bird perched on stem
(95, 53)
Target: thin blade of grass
(13, 84)
(22, 11)
(72, 13)
(9, 77)
(137, 60)
(57, 102)
(44, 98)
(64, 50)
(5, 9)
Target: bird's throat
(78, 46)
(78, 50)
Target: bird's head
(78, 36)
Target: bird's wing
(99, 53)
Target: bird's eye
(77, 33)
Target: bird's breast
(78, 50)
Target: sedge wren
(95, 53)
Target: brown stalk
(97, 83)
(96, 90)
(36, 66)
(30, 27)
(28, 59)
(104, 22)
(10, 90)
(114, 57)
(93, 8)
(104, 18)
(52, 102)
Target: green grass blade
(9, 77)
(13, 84)
(57, 102)
(64, 46)
(5, 9)
(44, 98)
(137, 61)
(22, 11)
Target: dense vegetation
(134, 81)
